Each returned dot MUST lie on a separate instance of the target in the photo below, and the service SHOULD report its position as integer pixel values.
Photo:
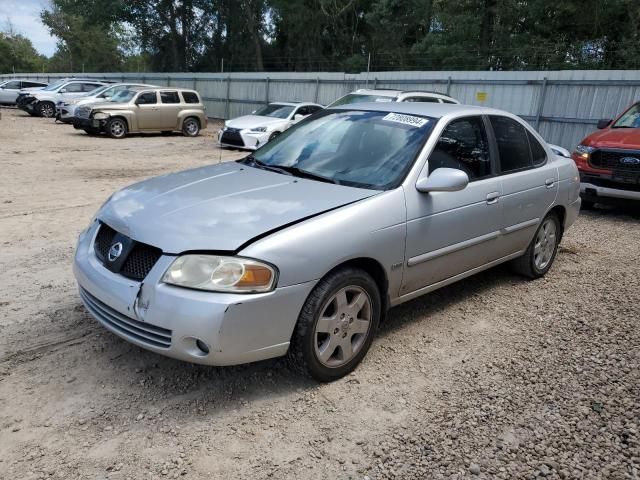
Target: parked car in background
(10, 89)
(609, 160)
(43, 102)
(384, 95)
(66, 109)
(143, 109)
(264, 124)
(304, 245)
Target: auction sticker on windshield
(406, 119)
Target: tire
(542, 250)
(343, 309)
(46, 109)
(273, 135)
(191, 127)
(116, 127)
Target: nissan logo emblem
(114, 252)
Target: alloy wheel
(191, 127)
(343, 326)
(545, 244)
(47, 110)
(117, 128)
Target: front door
(449, 233)
(147, 112)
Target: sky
(24, 16)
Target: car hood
(614, 138)
(219, 207)
(30, 89)
(251, 121)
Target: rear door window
(190, 97)
(169, 97)
(90, 87)
(12, 86)
(422, 99)
(32, 84)
(463, 145)
(72, 88)
(513, 144)
(538, 152)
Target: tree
(18, 55)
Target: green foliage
(17, 54)
(308, 35)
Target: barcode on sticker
(406, 119)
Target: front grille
(613, 160)
(113, 320)
(232, 136)
(140, 260)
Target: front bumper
(87, 124)
(599, 188)
(243, 139)
(168, 320)
(65, 113)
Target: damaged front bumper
(194, 326)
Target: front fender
(372, 228)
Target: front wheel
(46, 109)
(336, 325)
(116, 128)
(191, 127)
(542, 250)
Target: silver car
(302, 247)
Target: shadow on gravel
(623, 210)
(419, 309)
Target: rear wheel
(116, 128)
(336, 325)
(46, 109)
(542, 250)
(191, 127)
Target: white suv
(384, 95)
(43, 102)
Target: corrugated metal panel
(573, 100)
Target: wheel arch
(374, 268)
(561, 212)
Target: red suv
(609, 160)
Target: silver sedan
(303, 247)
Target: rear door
(169, 108)
(9, 92)
(529, 182)
(449, 233)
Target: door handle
(549, 182)
(493, 198)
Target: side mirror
(443, 180)
(604, 123)
(298, 116)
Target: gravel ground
(494, 377)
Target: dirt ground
(495, 377)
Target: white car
(384, 95)
(10, 89)
(66, 108)
(264, 124)
(43, 102)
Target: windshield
(361, 98)
(355, 148)
(123, 96)
(630, 118)
(54, 85)
(97, 91)
(275, 110)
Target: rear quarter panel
(192, 112)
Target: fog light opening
(203, 347)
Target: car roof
(295, 104)
(388, 92)
(435, 110)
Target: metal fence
(564, 106)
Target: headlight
(100, 116)
(583, 151)
(259, 129)
(221, 274)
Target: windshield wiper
(298, 172)
(254, 162)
